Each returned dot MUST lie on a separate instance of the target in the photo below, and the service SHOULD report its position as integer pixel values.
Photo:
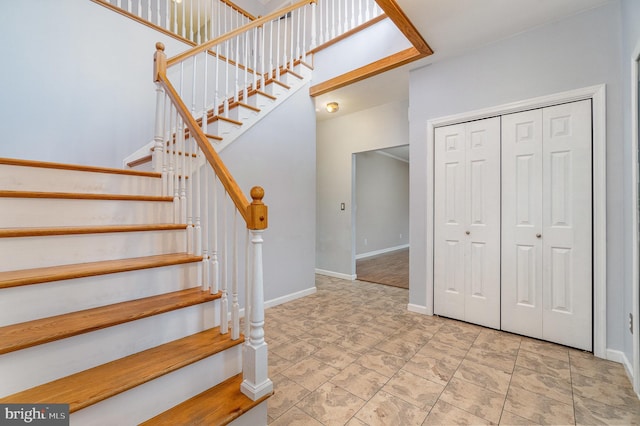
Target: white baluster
(314, 38)
(245, 62)
(236, 58)
(285, 38)
(346, 17)
(215, 263)
(184, 21)
(360, 17)
(139, 10)
(167, 17)
(277, 77)
(199, 25)
(248, 280)
(368, 15)
(235, 306)
(255, 59)
(226, 80)
(353, 14)
(216, 98)
(224, 302)
(333, 19)
(304, 34)
(191, 34)
(256, 383)
(166, 132)
(158, 149)
(206, 270)
(149, 17)
(269, 76)
(188, 176)
(119, 3)
(129, 6)
(175, 18)
(298, 35)
(171, 145)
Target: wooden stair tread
(88, 387)
(74, 230)
(90, 269)
(219, 405)
(78, 167)
(31, 333)
(81, 196)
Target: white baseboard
(619, 356)
(336, 274)
(289, 297)
(381, 251)
(418, 309)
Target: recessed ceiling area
(451, 28)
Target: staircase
(101, 305)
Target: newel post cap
(159, 62)
(258, 211)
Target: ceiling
(451, 28)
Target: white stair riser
(256, 416)
(22, 178)
(38, 252)
(223, 128)
(304, 71)
(243, 114)
(61, 297)
(290, 79)
(152, 398)
(259, 101)
(24, 369)
(275, 89)
(44, 212)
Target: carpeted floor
(390, 268)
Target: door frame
(597, 94)
(635, 75)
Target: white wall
(337, 140)
(630, 42)
(382, 202)
(279, 154)
(76, 82)
(357, 51)
(581, 51)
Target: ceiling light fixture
(332, 107)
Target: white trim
(598, 95)
(395, 157)
(289, 297)
(336, 274)
(635, 274)
(418, 309)
(381, 251)
(620, 357)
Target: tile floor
(352, 354)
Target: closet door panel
(449, 217)
(521, 269)
(567, 220)
(482, 219)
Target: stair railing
(211, 78)
(195, 20)
(333, 18)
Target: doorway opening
(381, 216)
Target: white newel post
(256, 383)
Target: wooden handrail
(254, 213)
(239, 9)
(231, 34)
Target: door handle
(467, 232)
(538, 235)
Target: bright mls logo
(34, 414)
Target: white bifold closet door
(547, 224)
(467, 222)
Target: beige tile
(336, 356)
(538, 408)
(358, 341)
(456, 335)
(294, 351)
(588, 365)
(310, 373)
(286, 394)
(414, 389)
(551, 350)
(360, 381)
(439, 350)
(590, 412)
(382, 362)
(550, 386)
(543, 364)
(604, 392)
(295, 417)
(483, 376)
(475, 399)
(385, 409)
(277, 364)
(508, 418)
(495, 359)
(436, 370)
(400, 347)
(497, 341)
(446, 414)
(355, 422)
(331, 405)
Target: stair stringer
(137, 159)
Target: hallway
(352, 354)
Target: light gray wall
(279, 154)
(76, 82)
(337, 140)
(630, 41)
(382, 202)
(581, 51)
